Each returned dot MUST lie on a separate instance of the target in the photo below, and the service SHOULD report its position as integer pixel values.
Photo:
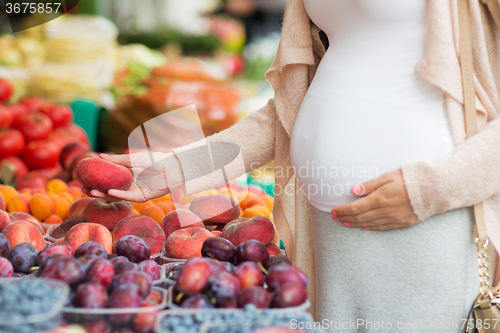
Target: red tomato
(6, 117)
(62, 137)
(61, 115)
(21, 167)
(17, 110)
(35, 104)
(35, 126)
(41, 154)
(76, 132)
(11, 142)
(5, 90)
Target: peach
(71, 151)
(259, 228)
(23, 232)
(61, 207)
(4, 219)
(143, 227)
(216, 233)
(107, 213)
(165, 206)
(53, 219)
(140, 206)
(180, 219)
(78, 207)
(215, 208)
(257, 210)
(154, 212)
(75, 192)
(19, 216)
(273, 249)
(86, 232)
(33, 183)
(7, 192)
(269, 200)
(76, 160)
(56, 186)
(63, 228)
(19, 203)
(66, 196)
(96, 173)
(60, 241)
(256, 201)
(2, 202)
(186, 243)
(76, 184)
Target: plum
(193, 276)
(115, 260)
(23, 257)
(278, 259)
(101, 271)
(48, 260)
(282, 273)
(63, 249)
(91, 295)
(86, 261)
(6, 268)
(216, 266)
(218, 248)
(178, 295)
(133, 248)
(252, 250)
(151, 268)
(198, 301)
(289, 295)
(125, 296)
(137, 278)
(100, 326)
(91, 249)
(4, 246)
(223, 289)
(124, 266)
(173, 273)
(258, 296)
(249, 274)
(65, 269)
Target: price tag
(7, 172)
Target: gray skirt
(418, 279)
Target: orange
(165, 206)
(66, 196)
(8, 192)
(56, 185)
(19, 203)
(53, 219)
(154, 212)
(61, 207)
(269, 200)
(41, 206)
(141, 205)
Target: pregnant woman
(374, 178)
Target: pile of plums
(231, 277)
(98, 279)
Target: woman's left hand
(384, 205)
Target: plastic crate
(37, 322)
(164, 281)
(78, 315)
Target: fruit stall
(73, 263)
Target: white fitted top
(367, 110)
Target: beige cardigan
(470, 175)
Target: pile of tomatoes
(33, 132)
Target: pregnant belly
(345, 135)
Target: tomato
(6, 90)
(17, 110)
(20, 166)
(35, 126)
(35, 104)
(6, 117)
(41, 154)
(76, 132)
(62, 137)
(61, 115)
(11, 142)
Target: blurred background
(120, 63)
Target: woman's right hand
(150, 178)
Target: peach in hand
(215, 209)
(107, 213)
(186, 243)
(96, 173)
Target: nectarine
(96, 173)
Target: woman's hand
(150, 178)
(384, 205)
